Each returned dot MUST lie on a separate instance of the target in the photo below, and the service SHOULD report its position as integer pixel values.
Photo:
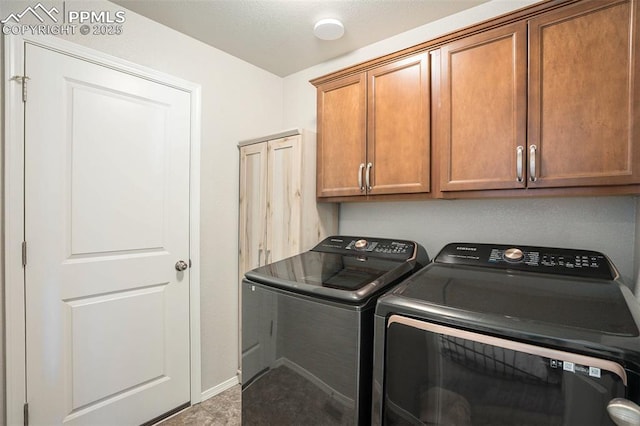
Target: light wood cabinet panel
(341, 136)
(279, 216)
(374, 132)
(482, 120)
(398, 127)
(284, 202)
(584, 95)
(253, 206)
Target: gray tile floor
(220, 410)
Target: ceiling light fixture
(328, 29)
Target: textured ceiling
(277, 35)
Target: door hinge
(25, 410)
(22, 79)
(24, 254)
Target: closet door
(284, 206)
(253, 206)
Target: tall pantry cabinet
(279, 215)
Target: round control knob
(360, 244)
(513, 255)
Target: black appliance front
(307, 330)
(502, 335)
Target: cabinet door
(253, 206)
(482, 121)
(398, 134)
(284, 205)
(584, 96)
(341, 136)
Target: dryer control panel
(581, 263)
(367, 246)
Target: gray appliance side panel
(258, 324)
(307, 349)
(321, 339)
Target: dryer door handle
(624, 412)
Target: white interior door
(106, 220)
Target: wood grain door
(341, 137)
(253, 207)
(284, 195)
(482, 120)
(584, 95)
(398, 134)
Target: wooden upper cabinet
(584, 95)
(482, 117)
(342, 112)
(573, 123)
(373, 131)
(398, 137)
(544, 101)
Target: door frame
(14, 278)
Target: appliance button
(361, 244)
(513, 255)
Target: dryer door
(439, 375)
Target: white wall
(239, 101)
(606, 224)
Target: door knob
(181, 265)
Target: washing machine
(307, 330)
(493, 334)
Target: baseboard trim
(227, 384)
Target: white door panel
(106, 219)
(131, 139)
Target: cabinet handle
(267, 256)
(519, 152)
(360, 177)
(259, 256)
(368, 177)
(532, 163)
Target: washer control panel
(582, 263)
(366, 246)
